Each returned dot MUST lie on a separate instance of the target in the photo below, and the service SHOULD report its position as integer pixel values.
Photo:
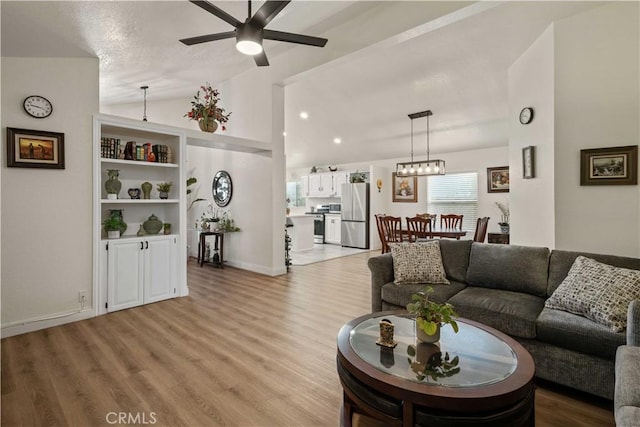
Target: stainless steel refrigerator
(355, 215)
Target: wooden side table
(218, 247)
(501, 238)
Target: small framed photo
(498, 179)
(35, 149)
(405, 188)
(528, 162)
(609, 166)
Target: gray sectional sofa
(505, 287)
(627, 392)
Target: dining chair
(419, 227)
(481, 229)
(451, 221)
(383, 240)
(392, 229)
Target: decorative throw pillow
(597, 291)
(418, 263)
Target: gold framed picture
(405, 188)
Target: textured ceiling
(383, 61)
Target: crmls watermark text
(131, 417)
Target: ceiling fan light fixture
(249, 40)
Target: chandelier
(420, 167)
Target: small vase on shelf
(146, 189)
(113, 184)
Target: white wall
(259, 200)
(532, 200)
(46, 213)
(597, 104)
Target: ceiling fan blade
(261, 59)
(216, 11)
(281, 36)
(267, 12)
(208, 38)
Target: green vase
(153, 225)
(113, 184)
(146, 190)
(117, 213)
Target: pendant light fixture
(420, 167)
(144, 114)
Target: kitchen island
(302, 232)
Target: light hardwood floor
(242, 350)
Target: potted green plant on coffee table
(430, 316)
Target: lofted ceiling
(383, 61)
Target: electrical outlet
(83, 296)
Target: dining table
(450, 233)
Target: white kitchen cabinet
(140, 271)
(328, 184)
(305, 186)
(332, 228)
(320, 185)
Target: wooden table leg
(201, 247)
(221, 250)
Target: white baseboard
(258, 268)
(30, 325)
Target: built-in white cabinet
(139, 269)
(332, 228)
(327, 184)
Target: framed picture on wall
(498, 179)
(609, 166)
(528, 162)
(35, 149)
(405, 188)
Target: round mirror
(222, 188)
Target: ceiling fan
(250, 33)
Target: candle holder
(386, 334)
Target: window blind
(455, 193)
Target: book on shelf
(112, 148)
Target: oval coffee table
(477, 377)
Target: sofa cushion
(418, 263)
(401, 295)
(509, 267)
(560, 263)
(510, 312)
(627, 385)
(577, 333)
(455, 258)
(597, 291)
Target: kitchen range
(319, 213)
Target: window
(455, 193)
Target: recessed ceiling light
(284, 133)
(304, 115)
(337, 140)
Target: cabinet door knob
(147, 242)
(141, 245)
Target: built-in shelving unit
(133, 269)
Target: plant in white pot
(113, 226)
(430, 316)
(504, 219)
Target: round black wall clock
(222, 188)
(526, 115)
(37, 106)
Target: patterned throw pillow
(418, 263)
(597, 291)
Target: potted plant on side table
(430, 316)
(504, 220)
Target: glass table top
(472, 357)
